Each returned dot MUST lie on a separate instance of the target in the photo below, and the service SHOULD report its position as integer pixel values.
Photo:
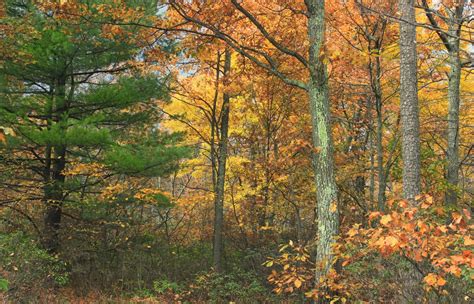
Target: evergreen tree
(70, 94)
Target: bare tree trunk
(371, 151)
(453, 128)
(454, 84)
(409, 101)
(328, 217)
(412, 291)
(376, 75)
(218, 245)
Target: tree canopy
(251, 151)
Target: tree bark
(454, 84)
(328, 217)
(409, 101)
(218, 245)
(451, 41)
(54, 201)
(412, 291)
(54, 176)
(453, 127)
(375, 71)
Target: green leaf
(3, 285)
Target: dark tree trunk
(218, 245)
(54, 176)
(54, 202)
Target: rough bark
(328, 217)
(409, 101)
(412, 291)
(218, 245)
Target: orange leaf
(403, 204)
(441, 281)
(431, 279)
(374, 215)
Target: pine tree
(70, 94)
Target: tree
(316, 87)
(409, 101)
(455, 18)
(218, 244)
(68, 100)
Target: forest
(236, 151)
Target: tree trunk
(220, 182)
(377, 88)
(454, 84)
(328, 217)
(412, 291)
(451, 41)
(54, 178)
(409, 101)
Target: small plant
(3, 284)
(165, 286)
(237, 286)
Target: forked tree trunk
(451, 41)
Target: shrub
(29, 269)
(237, 286)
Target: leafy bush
(29, 268)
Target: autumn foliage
(235, 151)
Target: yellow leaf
(333, 207)
(391, 241)
(386, 219)
(352, 232)
(468, 241)
(298, 283)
